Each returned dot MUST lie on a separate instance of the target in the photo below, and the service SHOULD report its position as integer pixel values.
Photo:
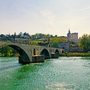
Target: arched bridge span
(46, 53)
(25, 55)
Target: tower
(72, 37)
(69, 35)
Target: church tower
(69, 35)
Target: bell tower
(69, 35)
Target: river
(64, 73)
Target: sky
(54, 17)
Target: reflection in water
(22, 72)
(64, 73)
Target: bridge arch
(25, 57)
(46, 53)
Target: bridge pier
(38, 58)
(35, 59)
(24, 60)
(54, 55)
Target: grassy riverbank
(70, 54)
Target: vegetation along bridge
(32, 53)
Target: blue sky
(45, 16)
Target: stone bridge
(32, 53)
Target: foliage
(54, 41)
(70, 54)
(85, 42)
(7, 51)
(58, 39)
(73, 44)
(40, 35)
(34, 42)
(55, 44)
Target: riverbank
(70, 54)
(9, 55)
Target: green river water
(64, 73)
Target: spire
(69, 30)
(69, 34)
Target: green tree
(54, 41)
(55, 44)
(58, 39)
(6, 51)
(85, 42)
(34, 42)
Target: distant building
(72, 36)
(75, 49)
(44, 42)
(69, 35)
(22, 40)
(64, 45)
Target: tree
(34, 42)
(55, 44)
(58, 39)
(55, 40)
(85, 42)
(6, 51)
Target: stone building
(22, 40)
(64, 46)
(72, 37)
